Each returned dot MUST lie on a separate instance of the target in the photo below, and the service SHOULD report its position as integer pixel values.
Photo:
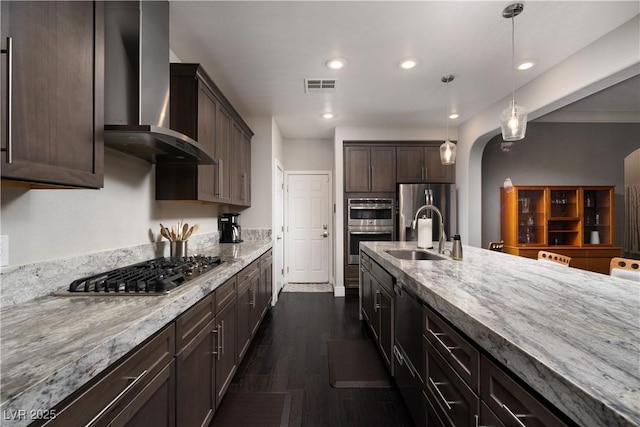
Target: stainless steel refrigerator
(412, 196)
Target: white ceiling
(259, 54)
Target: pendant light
(513, 119)
(448, 148)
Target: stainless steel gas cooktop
(155, 277)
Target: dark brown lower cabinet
(512, 404)
(243, 309)
(266, 288)
(142, 383)
(453, 401)
(154, 404)
(254, 294)
(378, 291)
(226, 351)
(365, 287)
(195, 369)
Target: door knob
(325, 234)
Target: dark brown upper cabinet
(421, 163)
(200, 111)
(52, 93)
(369, 168)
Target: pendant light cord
(448, 109)
(513, 61)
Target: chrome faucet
(443, 237)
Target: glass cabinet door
(531, 216)
(597, 216)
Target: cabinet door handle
(244, 187)
(515, 417)
(220, 177)
(447, 403)
(437, 335)
(370, 178)
(9, 52)
(216, 348)
(376, 305)
(132, 384)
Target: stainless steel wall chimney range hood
(137, 85)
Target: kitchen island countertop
(572, 335)
(53, 345)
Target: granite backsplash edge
(42, 278)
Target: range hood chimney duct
(137, 81)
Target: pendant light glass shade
(448, 148)
(448, 153)
(513, 121)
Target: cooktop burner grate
(154, 277)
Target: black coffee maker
(230, 231)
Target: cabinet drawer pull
(515, 417)
(9, 52)
(437, 335)
(376, 305)
(447, 403)
(132, 384)
(222, 337)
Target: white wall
(50, 224)
(259, 214)
(308, 154)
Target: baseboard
(339, 291)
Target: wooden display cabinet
(571, 220)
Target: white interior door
(278, 255)
(308, 228)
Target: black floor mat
(356, 364)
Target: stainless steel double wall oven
(368, 219)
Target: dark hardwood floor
(289, 353)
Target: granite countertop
(572, 335)
(53, 345)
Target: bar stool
(554, 257)
(625, 268)
(496, 246)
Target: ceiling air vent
(319, 85)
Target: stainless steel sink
(415, 255)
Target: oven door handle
(372, 232)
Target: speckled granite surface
(572, 335)
(52, 345)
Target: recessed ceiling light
(408, 63)
(526, 64)
(454, 116)
(336, 63)
(328, 116)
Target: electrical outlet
(4, 250)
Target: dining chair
(625, 268)
(554, 257)
(496, 246)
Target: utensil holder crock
(178, 248)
